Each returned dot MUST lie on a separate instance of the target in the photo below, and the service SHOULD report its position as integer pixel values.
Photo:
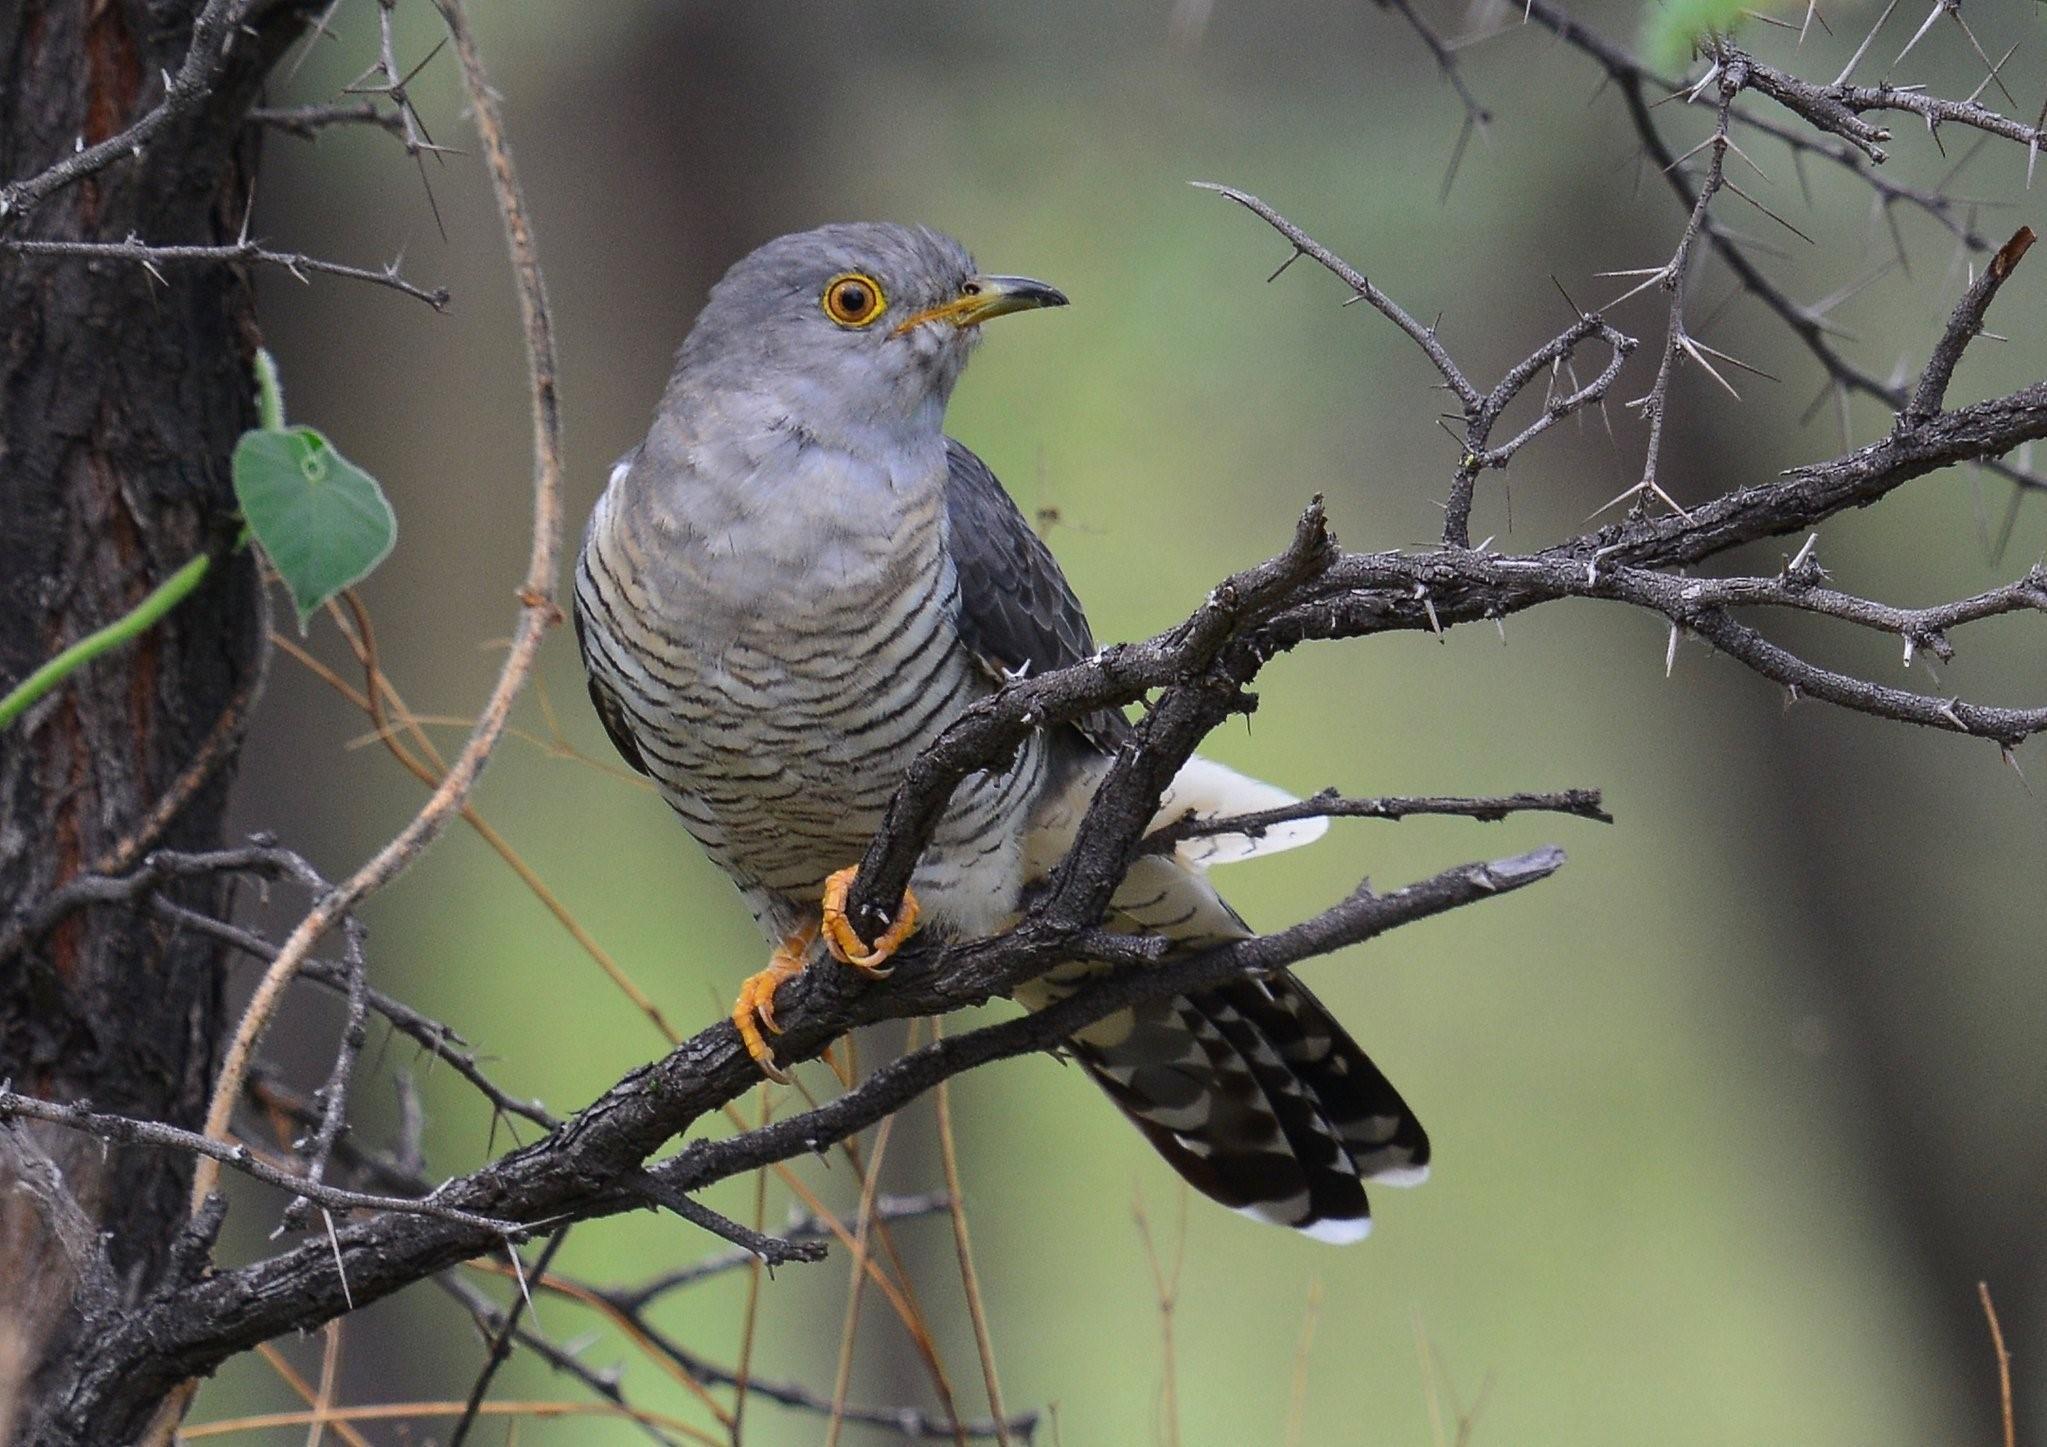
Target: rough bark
(120, 401)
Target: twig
(2011, 1426)
(308, 1394)
(1963, 327)
(120, 1128)
(1329, 804)
(1297, 1393)
(501, 1343)
(1481, 413)
(1166, 1292)
(804, 1228)
(401, 1411)
(769, 1250)
(1350, 276)
(843, 1375)
(1732, 74)
(334, 1094)
(214, 32)
(151, 257)
(909, 1422)
(493, 1320)
(264, 857)
(970, 1279)
(306, 122)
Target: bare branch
(150, 258)
(82, 1117)
(494, 1321)
(1361, 288)
(803, 1228)
(265, 858)
(1329, 804)
(306, 122)
(1964, 327)
(1480, 412)
(214, 33)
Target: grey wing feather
(610, 712)
(1016, 613)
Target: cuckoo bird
(797, 580)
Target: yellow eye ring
(854, 299)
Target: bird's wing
(1017, 614)
(610, 712)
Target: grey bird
(797, 580)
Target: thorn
(1693, 350)
(1670, 651)
(1734, 361)
(1429, 607)
(1856, 59)
(1993, 74)
(334, 1241)
(519, 1271)
(1804, 554)
(1279, 270)
(1919, 34)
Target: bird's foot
(755, 1009)
(844, 941)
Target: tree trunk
(120, 401)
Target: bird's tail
(1250, 1090)
(1255, 1095)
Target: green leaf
(1669, 28)
(323, 521)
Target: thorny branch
(307, 122)
(1329, 804)
(1194, 675)
(80, 1116)
(1481, 410)
(215, 31)
(911, 1422)
(154, 258)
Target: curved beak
(984, 297)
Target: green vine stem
(167, 594)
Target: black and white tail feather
(1251, 1091)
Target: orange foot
(756, 1004)
(844, 942)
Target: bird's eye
(854, 300)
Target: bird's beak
(984, 297)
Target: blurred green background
(1730, 1117)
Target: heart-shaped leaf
(323, 521)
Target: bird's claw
(844, 942)
(755, 1009)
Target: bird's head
(852, 328)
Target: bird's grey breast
(777, 618)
